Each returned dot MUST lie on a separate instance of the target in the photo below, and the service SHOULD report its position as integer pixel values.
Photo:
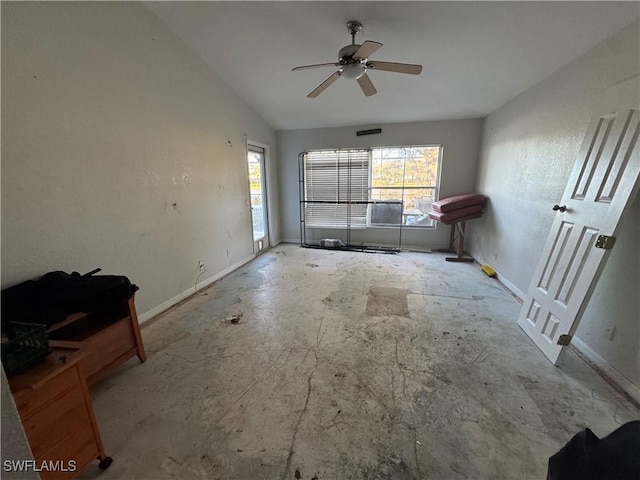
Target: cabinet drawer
(32, 401)
(56, 422)
(107, 345)
(80, 447)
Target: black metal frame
(347, 246)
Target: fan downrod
(354, 28)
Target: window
(339, 186)
(406, 174)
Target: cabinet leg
(105, 463)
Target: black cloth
(56, 294)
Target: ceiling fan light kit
(353, 64)
(353, 70)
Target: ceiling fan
(354, 63)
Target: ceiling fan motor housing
(346, 53)
(352, 68)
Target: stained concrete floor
(346, 365)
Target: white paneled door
(602, 185)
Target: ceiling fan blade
(366, 49)
(307, 67)
(367, 87)
(395, 67)
(323, 86)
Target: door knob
(562, 208)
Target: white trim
(416, 249)
(606, 369)
(148, 315)
(267, 192)
(501, 278)
(476, 256)
(290, 240)
(510, 286)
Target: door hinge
(564, 340)
(605, 242)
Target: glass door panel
(257, 192)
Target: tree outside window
(406, 174)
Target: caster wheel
(105, 462)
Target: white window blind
(333, 180)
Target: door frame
(267, 193)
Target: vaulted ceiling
(476, 55)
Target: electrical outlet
(495, 254)
(228, 253)
(201, 265)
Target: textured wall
(120, 149)
(460, 140)
(611, 324)
(529, 147)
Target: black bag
(587, 457)
(56, 294)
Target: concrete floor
(346, 365)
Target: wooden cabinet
(56, 411)
(107, 339)
(53, 398)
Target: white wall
(529, 147)
(460, 140)
(120, 149)
(611, 325)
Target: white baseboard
(148, 315)
(512, 288)
(290, 240)
(477, 257)
(606, 369)
(417, 249)
(501, 278)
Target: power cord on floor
(195, 286)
